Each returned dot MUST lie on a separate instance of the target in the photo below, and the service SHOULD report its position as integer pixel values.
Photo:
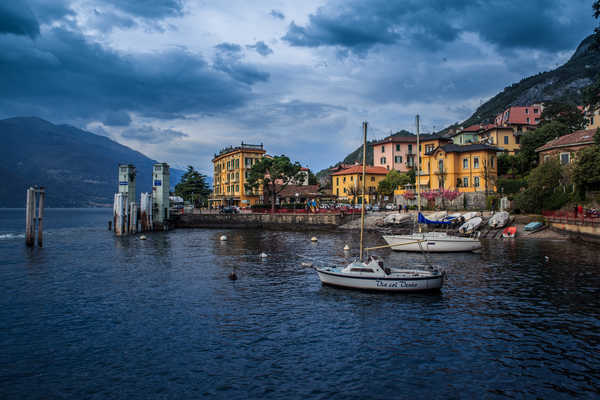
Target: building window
(383, 149)
(337, 180)
(465, 163)
(237, 162)
(505, 139)
(398, 159)
(546, 157)
(565, 158)
(410, 149)
(527, 111)
(397, 147)
(372, 179)
(492, 161)
(535, 111)
(518, 139)
(466, 182)
(344, 190)
(237, 188)
(344, 179)
(351, 179)
(337, 192)
(382, 160)
(527, 119)
(476, 181)
(441, 166)
(475, 162)
(592, 120)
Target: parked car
(375, 207)
(390, 207)
(229, 210)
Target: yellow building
(502, 136)
(231, 167)
(347, 183)
(593, 118)
(469, 168)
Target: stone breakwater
(261, 221)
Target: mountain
(564, 84)
(78, 168)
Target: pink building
(395, 152)
(521, 119)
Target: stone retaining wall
(261, 221)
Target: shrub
(511, 186)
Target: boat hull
(421, 284)
(432, 245)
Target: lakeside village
(539, 162)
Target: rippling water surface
(94, 316)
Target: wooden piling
(40, 214)
(29, 216)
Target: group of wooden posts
(34, 215)
(126, 215)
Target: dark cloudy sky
(179, 79)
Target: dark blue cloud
(63, 75)
(261, 48)
(17, 18)
(151, 9)
(359, 25)
(150, 134)
(117, 118)
(229, 60)
(277, 14)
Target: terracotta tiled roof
(397, 139)
(473, 128)
(572, 139)
(357, 169)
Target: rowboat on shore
(499, 219)
(470, 226)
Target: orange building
(502, 136)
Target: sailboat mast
(364, 183)
(418, 172)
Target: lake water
(94, 316)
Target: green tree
(591, 94)
(530, 141)
(312, 178)
(391, 182)
(412, 175)
(273, 174)
(193, 187)
(586, 171)
(541, 184)
(566, 114)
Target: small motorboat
(533, 226)
(372, 275)
(396, 218)
(452, 217)
(509, 232)
(470, 226)
(470, 215)
(437, 216)
(499, 219)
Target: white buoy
(143, 237)
(263, 255)
(346, 248)
(546, 258)
(306, 264)
(314, 239)
(223, 238)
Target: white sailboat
(372, 275)
(439, 242)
